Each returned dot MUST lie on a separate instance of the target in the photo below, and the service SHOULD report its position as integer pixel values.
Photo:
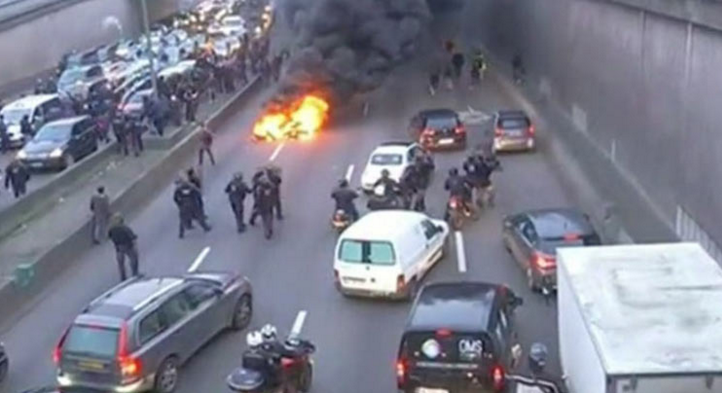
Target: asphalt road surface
(357, 340)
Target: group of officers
(414, 182)
(265, 189)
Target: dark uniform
(124, 240)
(17, 176)
(190, 207)
(120, 130)
(237, 191)
(25, 127)
(344, 198)
(4, 137)
(275, 182)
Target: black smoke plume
(349, 46)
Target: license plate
(354, 279)
(429, 390)
(36, 164)
(446, 141)
(515, 134)
(95, 366)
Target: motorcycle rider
(265, 341)
(478, 168)
(391, 188)
(344, 197)
(458, 187)
(412, 186)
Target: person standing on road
(100, 207)
(120, 130)
(189, 201)
(458, 62)
(274, 179)
(135, 127)
(237, 191)
(124, 240)
(4, 137)
(190, 97)
(263, 204)
(25, 127)
(206, 141)
(17, 176)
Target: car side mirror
(439, 229)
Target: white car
(233, 26)
(387, 253)
(394, 157)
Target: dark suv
(60, 143)
(438, 128)
(134, 337)
(459, 337)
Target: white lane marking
(199, 260)
(349, 172)
(460, 253)
(298, 323)
(277, 151)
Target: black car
(533, 238)
(60, 143)
(459, 337)
(438, 128)
(4, 363)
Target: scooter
(539, 381)
(340, 220)
(379, 200)
(457, 212)
(256, 374)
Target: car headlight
(58, 152)
(22, 155)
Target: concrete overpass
(35, 33)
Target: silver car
(513, 131)
(135, 337)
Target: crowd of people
(452, 68)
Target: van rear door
(368, 266)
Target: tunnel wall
(646, 87)
(37, 44)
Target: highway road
(356, 339)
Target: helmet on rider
(537, 357)
(254, 339)
(268, 333)
(385, 173)
(453, 172)
(343, 183)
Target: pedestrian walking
(4, 137)
(135, 128)
(263, 204)
(190, 97)
(17, 176)
(188, 198)
(120, 130)
(433, 82)
(274, 179)
(206, 141)
(124, 240)
(237, 190)
(100, 207)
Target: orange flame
(302, 119)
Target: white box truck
(640, 319)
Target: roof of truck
(650, 309)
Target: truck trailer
(640, 319)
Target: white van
(39, 109)
(387, 253)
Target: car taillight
(532, 130)
(58, 350)
(443, 333)
(543, 261)
(129, 366)
(401, 370)
(287, 362)
(497, 378)
(400, 283)
(459, 130)
(498, 132)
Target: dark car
(60, 143)
(513, 131)
(533, 237)
(135, 337)
(438, 128)
(460, 337)
(4, 363)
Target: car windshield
(137, 98)
(71, 76)
(54, 132)
(440, 123)
(13, 116)
(370, 252)
(514, 123)
(91, 340)
(387, 159)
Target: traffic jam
(389, 242)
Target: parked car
(376, 259)
(60, 143)
(533, 237)
(134, 106)
(460, 337)
(40, 109)
(76, 82)
(513, 130)
(438, 128)
(233, 25)
(392, 156)
(136, 336)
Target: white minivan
(387, 253)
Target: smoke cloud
(350, 46)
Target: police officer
(264, 202)
(189, 201)
(344, 197)
(412, 184)
(17, 176)
(237, 190)
(458, 62)
(4, 137)
(274, 180)
(25, 127)
(100, 207)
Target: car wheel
(530, 281)
(306, 378)
(4, 370)
(68, 161)
(166, 378)
(242, 313)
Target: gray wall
(646, 87)
(36, 45)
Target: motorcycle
(260, 373)
(457, 211)
(4, 362)
(539, 381)
(379, 200)
(341, 220)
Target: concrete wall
(36, 45)
(646, 87)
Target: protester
(100, 207)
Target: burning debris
(300, 119)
